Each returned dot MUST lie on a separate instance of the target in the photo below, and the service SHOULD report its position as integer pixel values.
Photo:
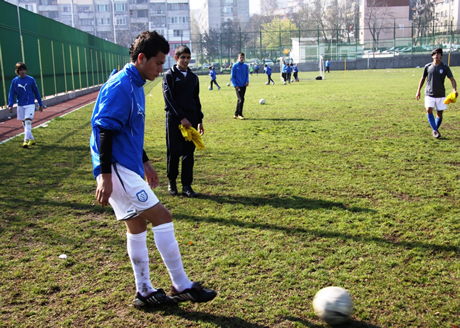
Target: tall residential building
(119, 21)
(215, 12)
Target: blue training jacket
(120, 107)
(240, 74)
(268, 70)
(212, 74)
(26, 90)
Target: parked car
(269, 62)
(216, 66)
(253, 60)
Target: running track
(12, 127)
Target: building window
(85, 9)
(120, 6)
(65, 9)
(227, 10)
(103, 21)
(178, 6)
(86, 22)
(102, 8)
(178, 33)
(142, 13)
(120, 20)
(229, 2)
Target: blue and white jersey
(212, 74)
(240, 74)
(295, 69)
(288, 69)
(268, 70)
(283, 70)
(120, 108)
(25, 90)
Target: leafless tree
(422, 15)
(377, 19)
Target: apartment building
(119, 21)
(215, 12)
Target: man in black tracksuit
(182, 105)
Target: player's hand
(40, 109)
(237, 88)
(104, 189)
(151, 175)
(185, 123)
(247, 84)
(200, 128)
(10, 109)
(417, 95)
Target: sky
(254, 5)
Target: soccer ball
(266, 83)
(228, 84)
(209, 88)
(284, 82)
(292, 80)
(262, 101)
(333, 305)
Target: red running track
(12, 127)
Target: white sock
(139, 255)
(28, 130)
(166, 243)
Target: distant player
(24, 88)
(283, 71)
(240, 80)
(212, 74)
(327, 65)
(120, 165)
(295, 69)
(288, 72)
(268, 71)
(256, 68)
(435, 73)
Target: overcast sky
(254, 5)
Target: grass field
(336, 182)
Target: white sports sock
(28, 130)
(166, 243)
(139, 255)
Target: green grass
(336, 182)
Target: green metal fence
(307, 45)
(59, 57)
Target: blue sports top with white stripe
(120, 107)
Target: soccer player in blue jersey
(120, 165)
(240, 80)
(268, 71)
(24, 88)
(283, 71)
(212, 74)
(435, 73)
(295, 69)
(288, 72)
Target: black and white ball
(209, 88)
(333, 305)
(228, 84)
(262, 101)
(266, 83)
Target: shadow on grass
(281, 119)
(290, 202)
(348, 324)
(319, 233)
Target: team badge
(142, 196)
(441, 71)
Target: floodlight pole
(20, 33)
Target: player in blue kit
(268, 71)
(120, 165)
(24, 88)
(212, 74)
(435, 73)
(240, 80)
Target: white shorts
(437, 103)
(26, 112)
(131, 195)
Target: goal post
(321, 67)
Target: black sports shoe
(188, 191)
(172, 188)
(157, 298)
(196, 294)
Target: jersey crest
(142, 196)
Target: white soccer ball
(228, 84)
(209, 88)
(262, 101)
(333, 305)
(266, 83)
(284, 82)
(292, 80)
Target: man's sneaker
(31, 142)
(273, 83)
(218, 88)
(240, 117)
(172, 188)
(196, 294)
(25, 144)
(188, 191)
(436, 134)
(235, 116)
(157, 298)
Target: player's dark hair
(437, 51)
(182, 50)
(20, 66)
(241, 53)
(150, 44)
